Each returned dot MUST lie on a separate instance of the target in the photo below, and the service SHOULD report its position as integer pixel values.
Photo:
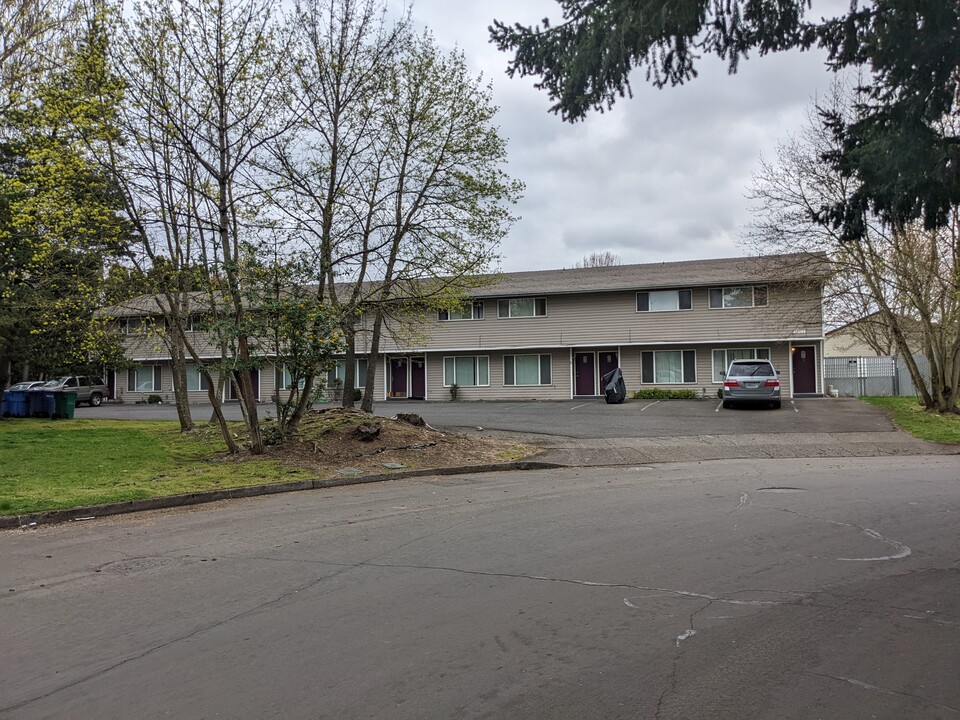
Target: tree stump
(368, 431)
(411, 419)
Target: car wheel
(95, 400)
(727, 404)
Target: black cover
(614, 389)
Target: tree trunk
(373, 361)
(349, 370)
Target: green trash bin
(65, 403)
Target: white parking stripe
(650, 405)
(584, 405)
(794, 406)
(719, 405)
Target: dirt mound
(330, 442)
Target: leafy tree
(905, 168)
(902, 284)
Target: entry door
(608, 361)
(585, 373)
(398, 377)
(254, 380)
(804, 369)
(418, 378)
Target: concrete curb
(89, 512)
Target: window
(286, 380)
(339, 373)
(522, 307)
(470, 311)
(723, 357)
(133, 326)
(466, 371)
(668, 367)
(145, 378)
(527, 370)
(738, 297)
(664, 300)
(196, 380)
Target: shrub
(358, 394)
(664, 394)
(154, 400)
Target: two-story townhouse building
(551, 335)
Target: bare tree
(904, 280)
(606, 258)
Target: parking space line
(794, 406)
(650, 405)
(719, 405)
(584, 405)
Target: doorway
(804, 358)
(585, 373)
(398, 377)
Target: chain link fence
(885, 376)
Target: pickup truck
(89, 388)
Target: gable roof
(684, 274)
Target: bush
(664, 394)
(154, 400)
(358, 394)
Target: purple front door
(608, 361)
(804, 369)
(585, 374)
(398, 377)
(418, 378)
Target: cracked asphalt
(759, 588)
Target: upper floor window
(468, 311)
(522, 307)
(664, 300)
(738, 297)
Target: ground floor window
(196, 380)
(466, 371)
(527, 370)
(287, 380)
(145, 378)
(336, 376)
(724, 356)
(668, 367)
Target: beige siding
(612, 319)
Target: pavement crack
(883, 691)
(902, 550)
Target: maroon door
(398, 377)
(585, 374)
(608, 361)
(418, 378)
(804, 369)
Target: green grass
(910, 415)
(49, 465)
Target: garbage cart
(41, 403)
(65, 403)
(614, 389)
(15, 404)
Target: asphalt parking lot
(593, 419)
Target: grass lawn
(48, 465)
(910, 415)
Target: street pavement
(814, 588)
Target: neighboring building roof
(616, 278)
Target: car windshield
(751, 369)
(56, 382)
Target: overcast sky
(663, 176)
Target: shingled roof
(689, 273)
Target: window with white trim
(470, 311)
(722, 357)
(521, 307)
(668, 367)
(144, 378)
(196, 380)
(527, 370)
(339, 373)
(133, 326)
(466, 371)
(743, 296)
(286, 380)
(664, 300)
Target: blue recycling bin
(15, 404)
(41, 403)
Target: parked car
(751, 381)
(25, 385)
(89, 388)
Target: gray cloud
(660, 177)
